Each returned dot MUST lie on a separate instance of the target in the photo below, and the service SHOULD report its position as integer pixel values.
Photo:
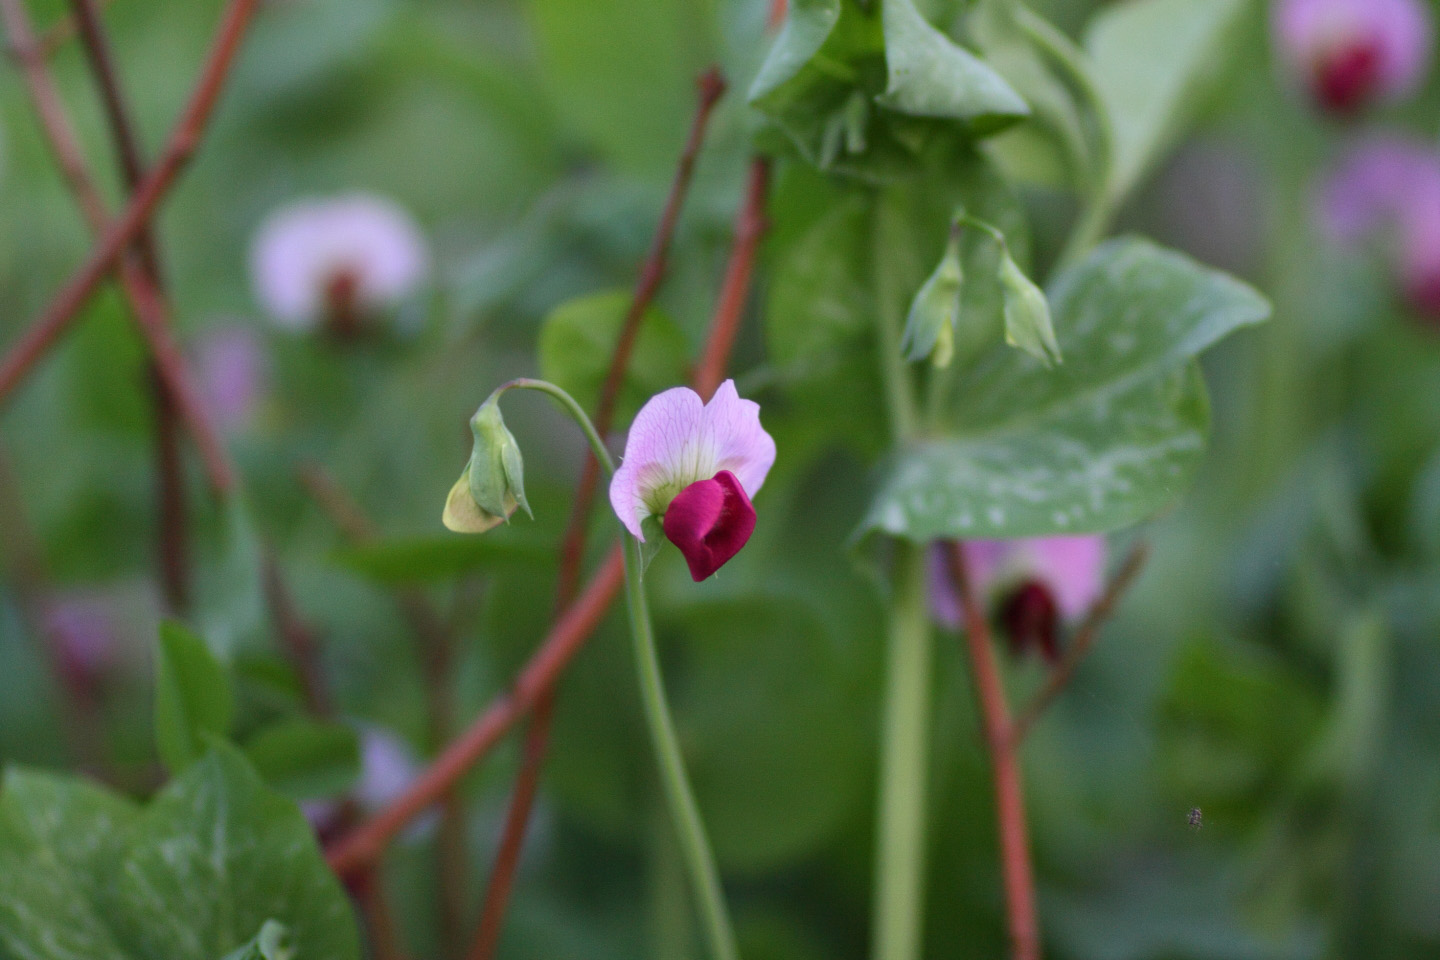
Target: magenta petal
(710, 521)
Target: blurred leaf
(412, 559)
(932, 76)
(209, 861)
(578, 339)
(306, 759)
(230, 606)
(193, 699)
(269, 944)
(1152, 61)
(623, 73)
(1105, 440)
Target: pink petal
(677, 440)
(1380, 47)
(710, 521)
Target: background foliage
(1277, 665)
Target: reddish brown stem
(299, 642)
(367, 887)
(572, 552)
(512, 839)
(735, 290)
(182, 143)
(1009, 797)
(1085, 638)
(173, 549)
(562, 643)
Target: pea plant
(907, 439)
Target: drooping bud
(1350, 54)
(493, 483)
(935, 311)
(709, 521)
(1027, 314)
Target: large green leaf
(865, 86)
(578, 339)
(1105, 440)
(1152, 62)
(306, 759)
(193, 699)
(212, 859)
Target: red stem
(63, 309)
(735, 289)
(1009, 797)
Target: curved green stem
(889, 327)
(694, 844)
(568, 404)
(1088, 231)
(905, 745)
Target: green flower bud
(1027, 314)
(493, 484)
(930, 325)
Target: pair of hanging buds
(934, 316)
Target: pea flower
(231, 366)
(1352, 53)
(1388, 189)
(694, 466)
(336, 261)
(1032, 584)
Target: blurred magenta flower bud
(85, 638)
(336, 262)
(694, 466)
(231, 366)
(492, 485)
(1033, 585)
(387, 768)
(1388, 189)
(1351, 53)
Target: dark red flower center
(710, 521)
(1031, 619)
(1347, 76)
(342, 303)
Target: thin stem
(711, 89)
(568, 404)
(889, 327)
(76, 292)
(694, 844)
(297, 639)
(1085, 638)
(735, 289)
(1009, 797)
(904, 742)
(1088, 231)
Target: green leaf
(269, 944)
(193, 699)
(306, 759)
(1106, 440)
(213, 858)
(419, 559)
(932, 76)
(1153, 60)
(231, 603)
(55, 837)
(579, 337)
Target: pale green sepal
(1027, 314)
(496, 474)
(935, 311)
(654, 531)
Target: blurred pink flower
(1388, 188)
(387, 768)
(232, 367)
(1351, 53)
(336, 261)
(1031, 583)
(85, 637)
(695, 465)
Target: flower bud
(493, 483)
(1352, 53)
(935, 311)
(1027, 314)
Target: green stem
(890, 327)
(568, 404)
(900, 833)
(1088, 231)
(694, 845)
